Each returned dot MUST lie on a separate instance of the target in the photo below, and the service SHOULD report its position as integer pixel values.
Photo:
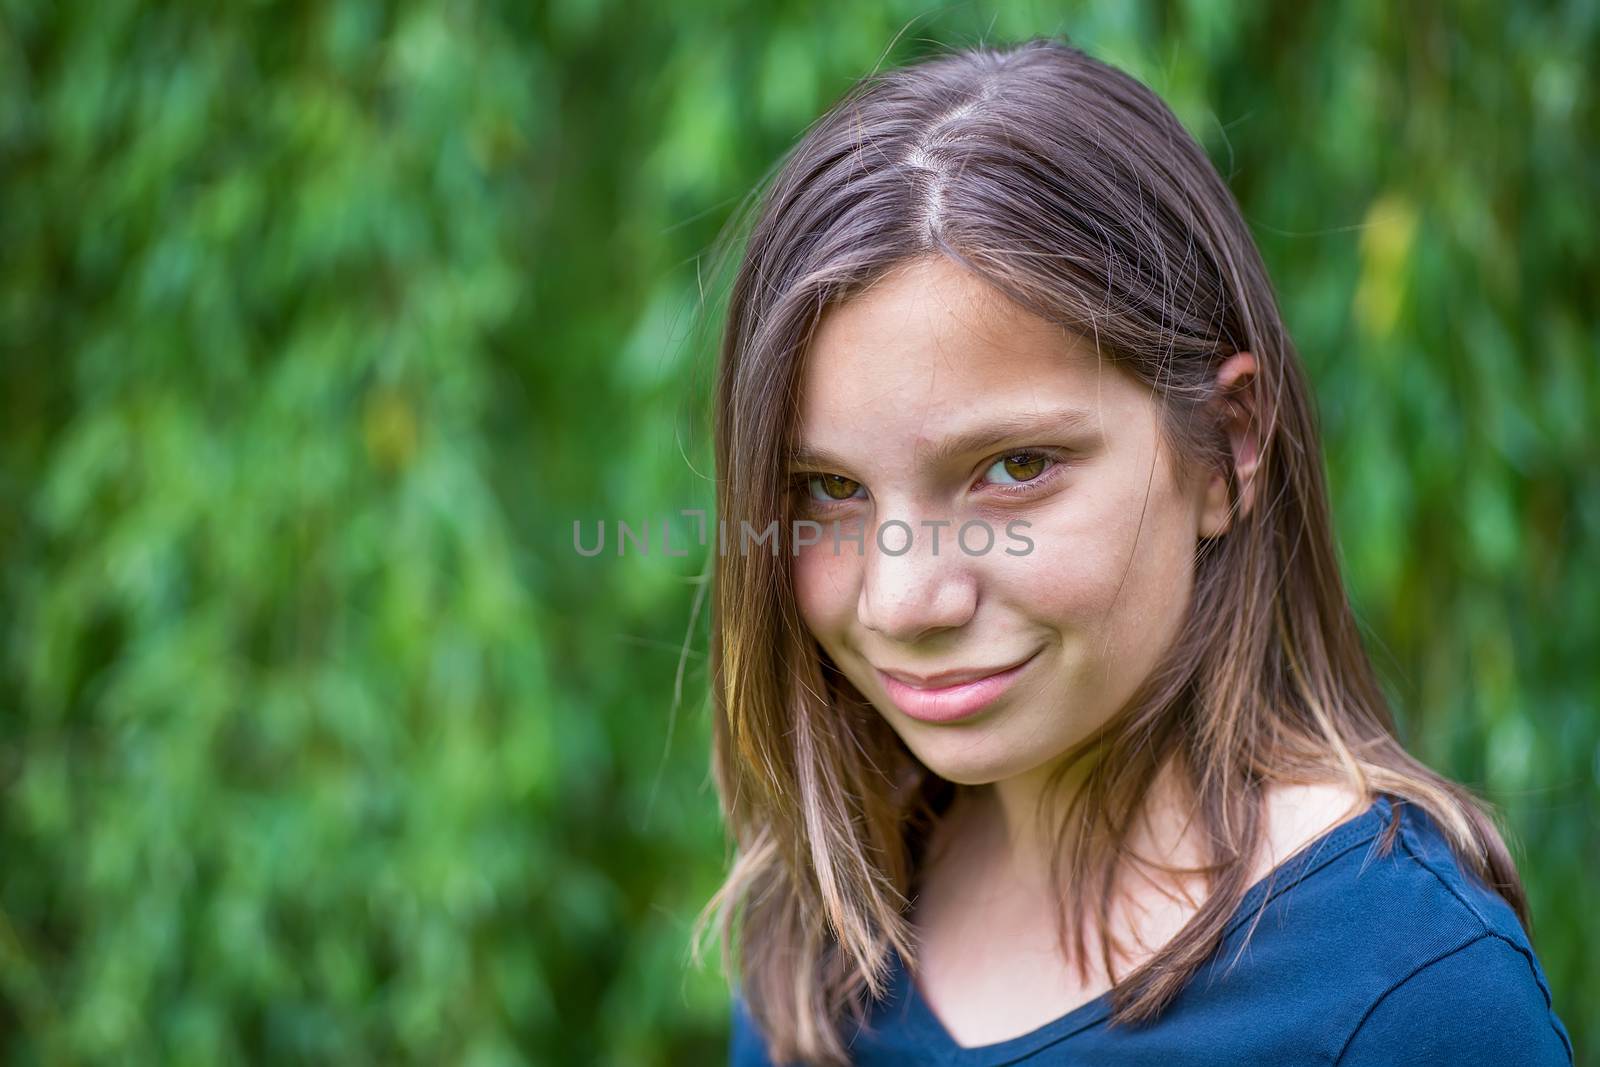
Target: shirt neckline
(1309, 858)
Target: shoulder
(1481, 1003)
(746, 1047)
(1430, 963)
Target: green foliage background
(320, 323)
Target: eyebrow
(983, 436)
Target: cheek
(1080, 554)
(1105, 562)
(825, 589)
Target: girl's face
(932, 400)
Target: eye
(1025, 470)
(836, 489)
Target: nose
(917, 592)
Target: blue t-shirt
(1358, 960)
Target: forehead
(932, 343)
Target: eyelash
(1057, 458)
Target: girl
(1044, 728)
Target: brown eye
(838, 488)
(835, 489)
(1023, 466)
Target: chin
(968, 758)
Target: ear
(1234, 402)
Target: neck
(1017, 819)
(1020, 818)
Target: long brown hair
(1071, 188)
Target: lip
(954, 701)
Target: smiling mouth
(951, 679)
(969, 693)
